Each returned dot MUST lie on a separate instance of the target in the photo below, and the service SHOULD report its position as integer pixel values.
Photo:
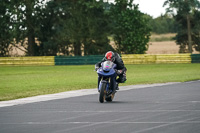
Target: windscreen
(107, 65)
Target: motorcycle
(107, 84)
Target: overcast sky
(152, 7)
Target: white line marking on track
(186, 121)
(113, 111)
(85, 122)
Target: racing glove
(119, 72)
(96, 68)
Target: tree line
(72, 27)
(182, 17)
(77, 27)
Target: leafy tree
(51, 32)
(25, 19)
(37, 20)
(73, 26)
(86, 27)
(130, 28)
(196, 31)
(95, 37)
(163, 24)
(185, 10)
(60, 26)
(5, 29)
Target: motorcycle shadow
(117, 102)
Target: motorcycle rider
(115, 58)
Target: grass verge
(19, 82)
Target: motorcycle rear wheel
(102, 93)
(110, 98)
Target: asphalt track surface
(173, 108)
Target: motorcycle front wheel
(102, 93)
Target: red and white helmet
(110, 56)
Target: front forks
(110, 83)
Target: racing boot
(117, 88)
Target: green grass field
(19, 82)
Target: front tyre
(102, 93)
